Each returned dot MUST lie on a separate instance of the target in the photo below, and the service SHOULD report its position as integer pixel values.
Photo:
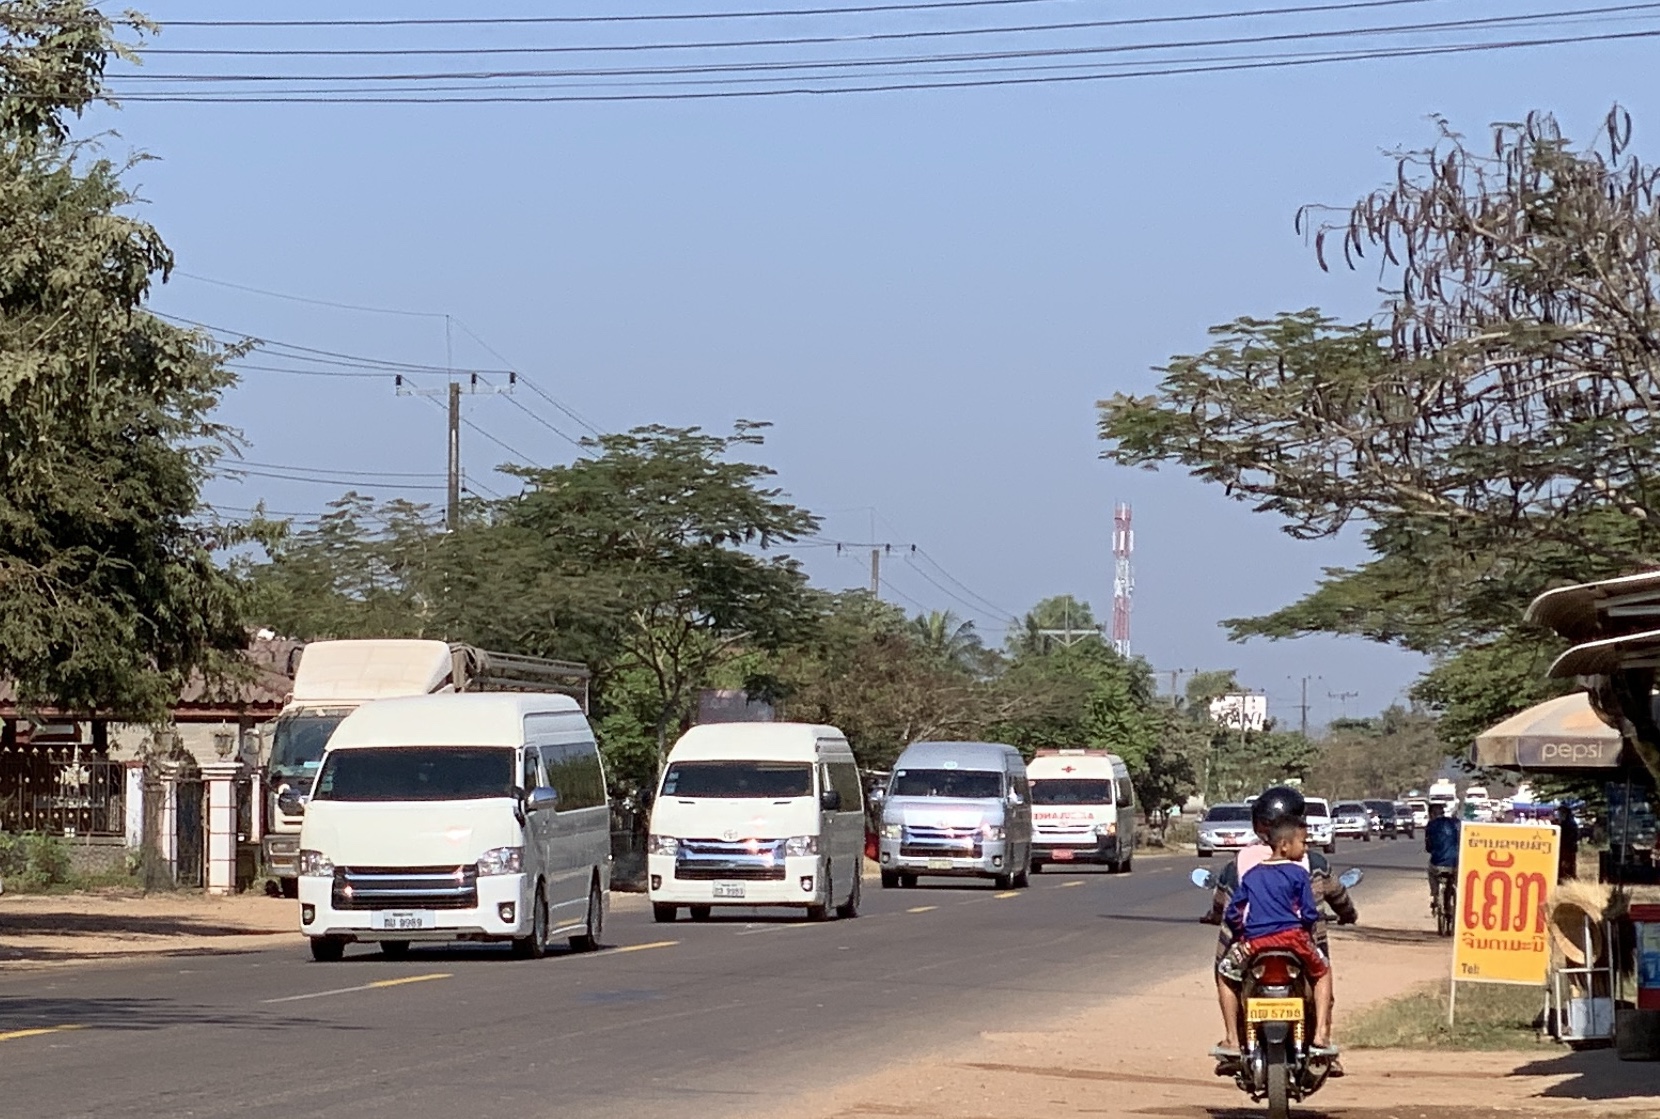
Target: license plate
(729, 889)
(406, 921)
(1063, 854)
(1274, 1010)
(939, 864)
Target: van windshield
(970, 784)
(739, 779)
(1072, 790)
(405, 773)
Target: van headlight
(315, 864)
(993, 832)
(893, 831)
(662, 845)
(502, 860)
(1106, 829)
(801, 845)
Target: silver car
(1226, 827)
(1350, 820)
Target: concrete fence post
(221, 778)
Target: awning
(1561, 733)
(1608, 608)
(1609, 655)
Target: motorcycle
(1277, 1013)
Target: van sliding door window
(574, 770)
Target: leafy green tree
(1378, 757)
(948, 637)
(1055, 622)
(109, 593)
(1491, 428)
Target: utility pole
(452, 508)
(876, 573)
(1303, 707)
(452, 391)
(1343, 698)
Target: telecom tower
(1123, 581)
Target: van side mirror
(290, 803)
(830, 800)
(1014, 798)
(542, 797)
(877, 795)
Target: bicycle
(1444, 902)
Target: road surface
(694, 1019)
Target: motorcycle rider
(1441, 842)
(1276, 803)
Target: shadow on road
(1148, 918)
(117, 924)
(141, 1014)
(1594, 1074)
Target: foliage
(109, 595)
(1491, 428)
(33, 860)
(1378, 757)
(1062, 613)
(1490, 1016)
(950, 639)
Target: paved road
(703, 1019)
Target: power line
(521, 407)
(484, 97)
(334, 470)
(846, 39)
(306, 299)
(347, 482)
(526, 381)
(985, 603)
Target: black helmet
(1278, 803)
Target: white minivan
(957, 808)
(1083, 809)
(757, 814)
(478, 817)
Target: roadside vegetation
(1489, 1016)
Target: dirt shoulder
(1145, 1055)
(42, 931)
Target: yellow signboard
(1505, 874)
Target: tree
(1378, 757)
(1491, 427)
(948, 637)
(1055, 622)
(109, 594)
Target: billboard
(1241, 710)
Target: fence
(61, 792)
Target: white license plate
(405, 921)
(939, 864)
(729, 889)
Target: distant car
(1320, 833)
(1388, 820)
(1420, 812)
(1226, 827)
(1350, 820)
(1406, 820)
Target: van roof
(970, 755)
(1097, 763)
(467, 719)
(765, 741)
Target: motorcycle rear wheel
(1279, 1089)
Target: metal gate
(192, 819)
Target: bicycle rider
(1441, 842)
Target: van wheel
(822, 912)
(534, 946)
(327, 949)
(700, 912)
(890, 879)
(394, 949)
(589, 940)
(1037, 867)
(851, 909)
(664, 914)
(1003, 881)
(1125, 868)
(1023, 879)
(908, 881)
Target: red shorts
(1297, 941)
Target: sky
(924, 291)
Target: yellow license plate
(1274, 1010)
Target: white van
(957, 808)
(757, 814)
(457, 817)
(1083, 809)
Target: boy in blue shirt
(1274, 908)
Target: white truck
(334, 678)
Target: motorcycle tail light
(1273, 971)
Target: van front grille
(755, 860)
(408, 887)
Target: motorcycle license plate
(939, 864)
(1063, 854)
(1274, 1010)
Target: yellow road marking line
(13, 1035)
(1007, 894)
(922, 909)
(379, 984)
(642, 947)
(1064, 885)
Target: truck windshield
(1072, 790)
(416, 773)
(972, 784)
(739, 780)
(298, 741)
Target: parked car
(1350, 820)
(1406, 820)
(1320, 833)
(1226, 827)
(1388, 820)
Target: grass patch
(1490, 1016)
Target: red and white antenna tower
(1123, 579)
